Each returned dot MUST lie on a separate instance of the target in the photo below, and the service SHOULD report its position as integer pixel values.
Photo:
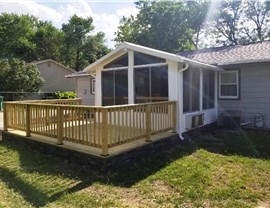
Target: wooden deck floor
(113, 151)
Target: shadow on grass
(35, 161)
(247, 142)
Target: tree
(79, 43)
(241, 22)
(16, 36)
(258, 13)
(164, 25)
(48, 40)
(17, 76)
(226, 22)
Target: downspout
(178, 94)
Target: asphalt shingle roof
(256, 52)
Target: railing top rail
(49, 101)
(139, 104)
(56, 105)
(89, 107)
(44, 101)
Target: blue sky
(106, 14)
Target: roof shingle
(257, 52)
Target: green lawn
(188, 176)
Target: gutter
(178, 94)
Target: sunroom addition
(150, 83)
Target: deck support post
(104, 132)
(28, 120)
(59, 125)
(148, 123)
(5, 117)
(174, 117)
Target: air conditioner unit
(194, 121)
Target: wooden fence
(101, 127)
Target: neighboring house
(54, 75)
(135, 74)
(85, 86)
(244, 85)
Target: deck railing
(101, 127)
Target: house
(133, 74)
(244, 85)
(54, 75)
(85, 86)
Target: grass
(187, 176)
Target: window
(151, 84)
(114, 87)
(229, 85)
(143, 59)
(208, 89)
(122, 61)
(93, 86)
(191, 90)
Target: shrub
(65, 95)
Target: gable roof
(228, 55)
(125, 46)
(55, 62)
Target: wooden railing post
(174, 117)
(60, 125)
(104, 133)
(5, 117)
(148, 123)
(28, 120)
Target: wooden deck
(95, 130)
(93, 151)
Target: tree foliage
(80, 46)
(241, 22)
(164, 25)
(16, 36)
(29, 39)
(17, 76)
(180, 25)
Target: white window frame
(236, 72)
(93, 85)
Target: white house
(135, 74)
(85, 86)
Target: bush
(65, 95)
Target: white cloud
(104, 22)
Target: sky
(105, 13)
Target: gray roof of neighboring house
(228, 55)
(50, 60)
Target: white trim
(93, 85)
(115, 68)
(131, 87)
(201, 90)
(150, 65)
(228, 84)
